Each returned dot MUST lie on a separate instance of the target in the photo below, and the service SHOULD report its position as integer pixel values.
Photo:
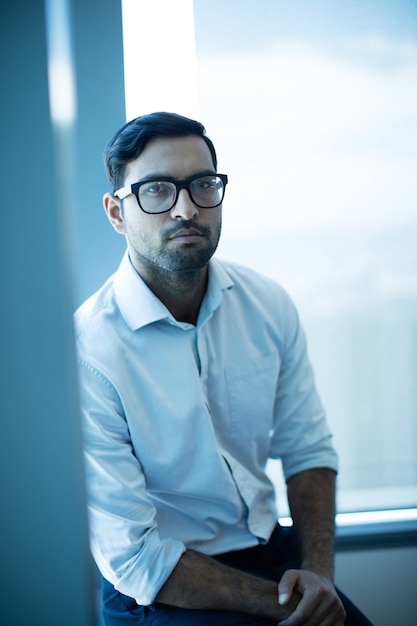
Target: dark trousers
(267, 561)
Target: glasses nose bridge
(179, 186)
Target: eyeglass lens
(159, 196)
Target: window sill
(374, 529)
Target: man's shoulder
(259, 295)
(248, 278)
(95, 309)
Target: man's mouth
(186, 235)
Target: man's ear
(113, 208)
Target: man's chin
(190, 261)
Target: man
(193, 372)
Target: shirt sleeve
(123, 531)
(301, 435)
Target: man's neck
(181, 292)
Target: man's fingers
(319, 603)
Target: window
(313, 105)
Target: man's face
(183, 238)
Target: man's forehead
(171, 156)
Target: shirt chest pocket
(251, 389)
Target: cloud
(386, 51)
(301, 95)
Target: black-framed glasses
(159, 196)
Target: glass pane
(318, 108)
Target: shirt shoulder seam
(98, 375)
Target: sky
(243, 26)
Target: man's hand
(319, 604)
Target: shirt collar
(139, 306)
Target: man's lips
(187, 235)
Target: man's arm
(311, 496)
(200, 582)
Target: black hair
(130, 141)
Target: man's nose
(184, 208)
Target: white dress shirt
(180, 420)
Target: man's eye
(156, 188)
(204, 184)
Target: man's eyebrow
(161, 176)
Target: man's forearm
(311, 496)
(200, 582)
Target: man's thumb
(286, 586)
